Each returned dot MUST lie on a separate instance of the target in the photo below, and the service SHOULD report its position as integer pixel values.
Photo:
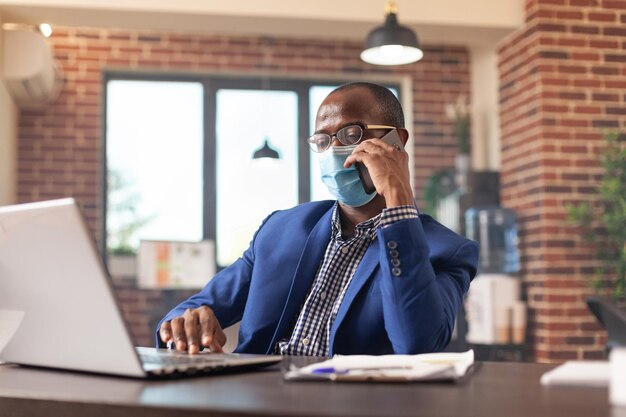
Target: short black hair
(389, 108)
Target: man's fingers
(191, 330)
(220, 338)
(196, 328)
(360, 154)
(165, 332)
(377, 147)
(362, 157)
(217, 340)
(212, 335)
(366, 151)
(207, 325)
(374, 146)
(178, 333)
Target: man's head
(348, 118)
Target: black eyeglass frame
(313, 144)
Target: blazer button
(396, 272)
(394, 253)
(392, 244)
(395, 262)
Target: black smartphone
(393, 139)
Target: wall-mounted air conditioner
(30, 73)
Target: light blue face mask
(343, 183)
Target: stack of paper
(392, 368)
(579, 373)
(10, 321)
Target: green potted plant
(604, 223)
(438, 186)
(124, 223)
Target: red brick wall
(562, 81)
(60, 147)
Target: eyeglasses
(349, 135)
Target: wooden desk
(496, 389)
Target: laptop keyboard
(162, 363)
(179, 359)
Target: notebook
(431, 367)
(54, 281)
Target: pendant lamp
(265, 151)
(391, 44)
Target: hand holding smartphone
(392, 138)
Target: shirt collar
(365, 228)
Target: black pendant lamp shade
(391, 44)
(265, 152)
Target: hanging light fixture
(266, 151)
(391, 44)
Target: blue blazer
(411, 310)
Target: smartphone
(392, 138)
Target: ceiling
(459, 22)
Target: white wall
(8, 139)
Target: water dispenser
(495, 230)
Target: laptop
(57, 295)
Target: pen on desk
(332, 370)
(329, 371)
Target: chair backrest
(612, 319)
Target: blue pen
(331, 370)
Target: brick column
(562, 82)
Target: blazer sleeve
(226, 293)
(421, 298)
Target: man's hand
(195, 327)
(388, 168)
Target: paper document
(10, 321)
(579, 373)
(393, 368)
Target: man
(363, 275)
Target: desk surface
(496, 389)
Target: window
(249, 189)
(179, 157)
(154, 162)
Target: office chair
(611, 318)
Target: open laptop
(58, 293)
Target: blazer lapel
(363, 272)
(305, 273)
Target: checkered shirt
(311, 332)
